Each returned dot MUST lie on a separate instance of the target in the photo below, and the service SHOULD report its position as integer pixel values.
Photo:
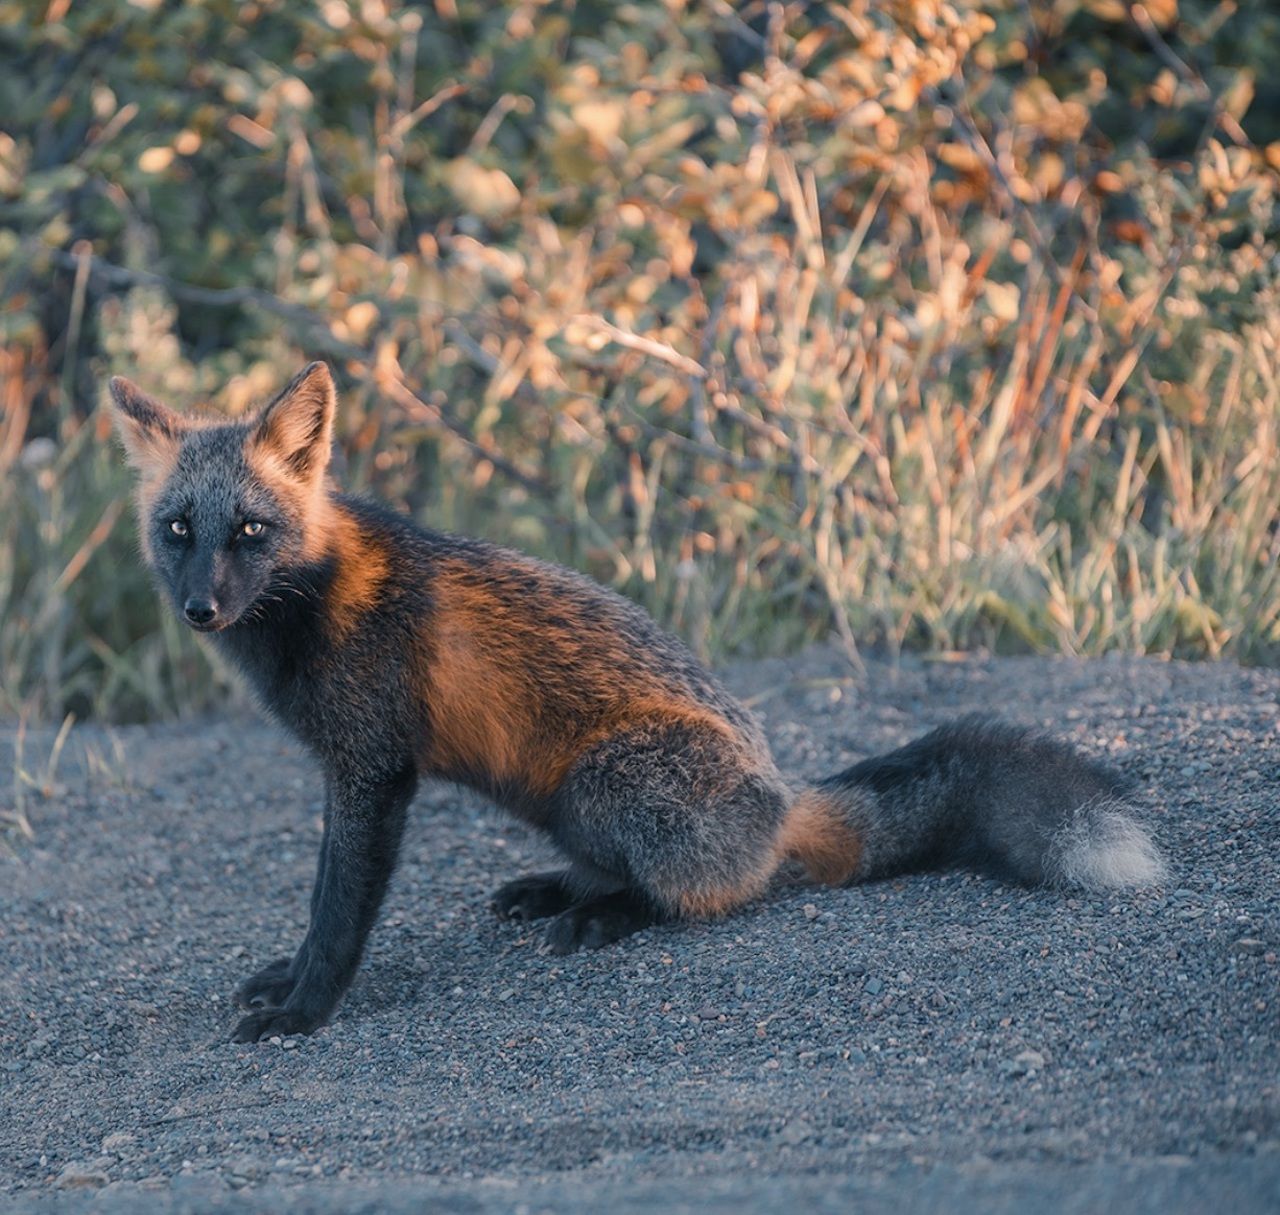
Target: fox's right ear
(150, 431)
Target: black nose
(200, 611)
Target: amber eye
(251, 528)
(178, 527)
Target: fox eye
(178, 527)
(251, 528)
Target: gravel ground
(940, 1041)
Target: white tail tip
(1105, 849)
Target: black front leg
(364, 821)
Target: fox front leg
(270, 986)
(364, 821)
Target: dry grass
(908, 358)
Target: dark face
(224, 506)
(217, 534)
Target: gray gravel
(941, 1041)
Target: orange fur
(297, 427)
(308, 504)
(362, 566)
(519, 699)
(719, 901)
(816, 834)
(481, 711)
(328, 531)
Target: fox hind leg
(679, 814)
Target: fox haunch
(396, 653)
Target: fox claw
(273, 1022)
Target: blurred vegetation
(942, 324)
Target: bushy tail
(980, 793)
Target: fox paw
(269, 988)
(598, 922)
(272, 1022)
(532, 898)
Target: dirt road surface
(937, 1042)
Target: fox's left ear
(297, 427)
(150, 431)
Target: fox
(397, 654)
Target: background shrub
(941, 324)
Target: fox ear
(297, 427)
(150, 431)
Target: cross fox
(395, 653)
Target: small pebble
(81, 1175)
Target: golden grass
(863, 339)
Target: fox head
(225, 506)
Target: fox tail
(981, 793)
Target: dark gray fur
(996, 796)
(670, 809)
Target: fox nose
(200, 611)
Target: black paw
(271, 1022)
(532, 898)
(269, 988)
(598, 922)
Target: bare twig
(645, 345)
(94, 541)
(82, 252)
(969, 132)
(710, 450)
(18, 815)
(434, 415)
(480, 358)
(1150, 31)
(488, 127)
(406, 122)
(235, 296)
(698, 419)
